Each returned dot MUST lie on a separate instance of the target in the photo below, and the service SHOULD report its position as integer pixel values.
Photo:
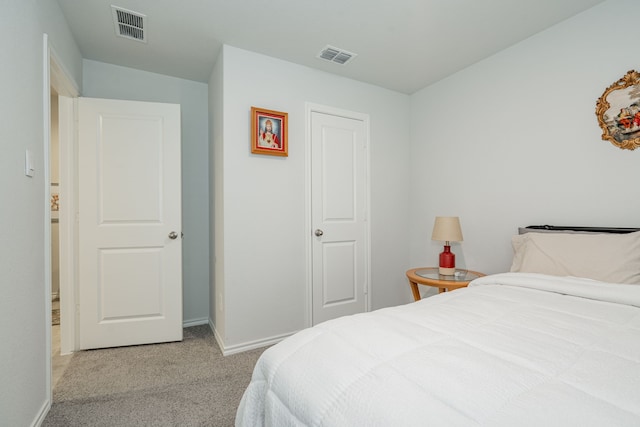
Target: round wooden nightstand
(429, 276)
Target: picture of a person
(267, 138)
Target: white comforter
(512, 349)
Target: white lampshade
(447, 229)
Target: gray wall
(261, 270)
(102, 80)
(514, 141)
(24, 394)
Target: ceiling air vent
(129, 24)
(334, 54)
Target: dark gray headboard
(617, 230)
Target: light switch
(29, 168)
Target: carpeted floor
(188, 383)
(55, 316)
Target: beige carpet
(55, 316)
(188, 383)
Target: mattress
(511, 349)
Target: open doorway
(59, 360)
(59, 229)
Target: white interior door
(130, 245)
(338, 216)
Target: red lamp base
(447, 262)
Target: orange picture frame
(269, 132)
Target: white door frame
(57, 77)
(68, 192)
(324, 109)
(68, 224)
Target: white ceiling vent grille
(336, 55)
(129, 24)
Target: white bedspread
(512, 349)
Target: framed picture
(269, 132)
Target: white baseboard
(42, 414)
(246, 346)
(216, 335)
(195, 322)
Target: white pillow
(606, 257)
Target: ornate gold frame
(618, 112)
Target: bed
(553, 342)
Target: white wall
(24, 394)
(514, 141)
(263, 212)
(216, 198)
(102, 80)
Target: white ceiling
(403, 45)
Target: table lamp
(447, 229)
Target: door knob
(319, 232)
(173, 235)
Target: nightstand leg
(416, 292)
